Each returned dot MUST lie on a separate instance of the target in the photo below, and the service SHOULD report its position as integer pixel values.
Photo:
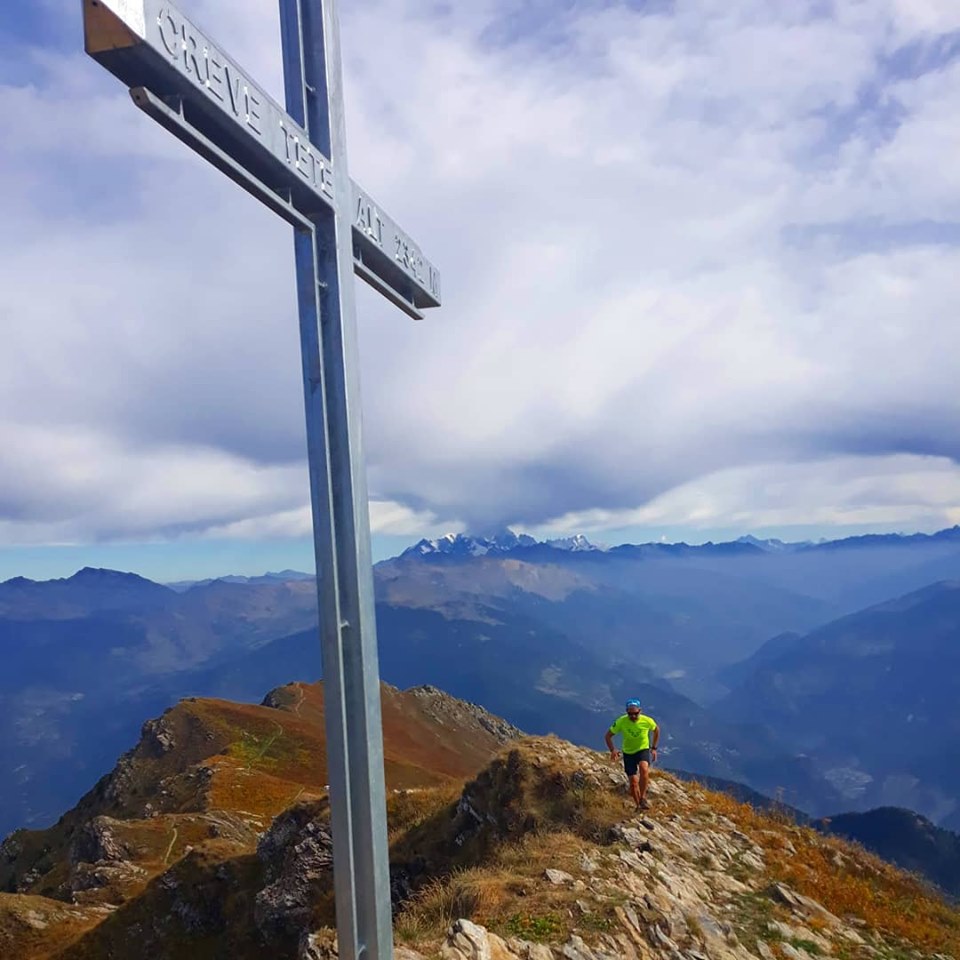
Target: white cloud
(287, 524)
(932, 17)
(676, 246)
(900, 491)
(386, 518)
(395, 519)
(70, 485)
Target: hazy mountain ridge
(682, 618)
(278, 576)
(88, 591)
(905, 838)
(506, 542)
(81, 673)
(873, 697)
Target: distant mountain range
(88, 591)
(459, 544)
(86, 658)
(685, 612)
(871, 698)
(551, 635)
(906, 839)
(278, 577)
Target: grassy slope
(229, 769)
(538, 814)
(195, 898)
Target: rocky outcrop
(104, 881)
(158, 736)
(277, 698)
(99, 861)
(10, 847)
(444, 709)
(682, 882)
(297, 857)
(96, 841)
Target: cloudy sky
(701, 268)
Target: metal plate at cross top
(295, 162)
(188, 83)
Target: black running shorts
(632, 761)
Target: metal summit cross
(295, 162)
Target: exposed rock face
(275, 699)
(317, 946)
(10, 850)
(158, 734)
(646, 933)
(442, 707)
(680, 883)
(96, 841)
(297, 855)
(116, 786)
(98, 877)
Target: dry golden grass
(407, 809)
(21, 938)
(236, 787)
(507, 894)
(418, 751)
(477, 893)
(537, 813)
(524, 790)
(264, 739)
(890, 900)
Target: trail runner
(638, 751)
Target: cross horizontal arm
(149, 44)
(171, 118)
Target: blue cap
(633, 703)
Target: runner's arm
(610, 744)
(656, 738)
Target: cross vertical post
(324, 265)
(295, 163)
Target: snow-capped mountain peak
(771, 545)
(578, 542)
(501, 542)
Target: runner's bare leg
(644, 778)
(635, 789)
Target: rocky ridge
(687, 881)
(206, 801)
(699, 877)
(447, 710)
(538, 856)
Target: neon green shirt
(636, 733)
